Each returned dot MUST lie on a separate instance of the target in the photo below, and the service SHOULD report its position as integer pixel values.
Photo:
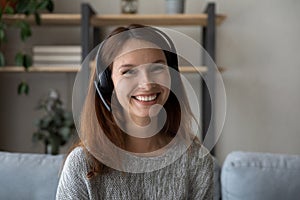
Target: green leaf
(46, 122)
(2, 35)
(65, 132)
(19, 59)
(37, 136)
(3, 27)
(27, 61)
(21, 6)
(25, 30)
(2, 59)
(42, 5)
(37, 18)
(23, 88)
(9, 10)
(23, 60)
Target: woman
(136, 140)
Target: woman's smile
(146, 98)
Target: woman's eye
(158, 68)
(129, 72)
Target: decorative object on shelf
(26, 7)
(174, 6)
(129, 6)
(56, 127)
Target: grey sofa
(29, 176)
(243, 176)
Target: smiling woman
(136, 140)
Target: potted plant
(26, 7)
(56, 126)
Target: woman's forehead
(139, 51)
(140, 57)
(136, 44)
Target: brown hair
(95, 118)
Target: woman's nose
(146, 80)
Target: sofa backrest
(260, 176)
(29, 176)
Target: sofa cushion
(260, 176)
(29, 176)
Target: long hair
(96, 118)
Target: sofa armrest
(29, 176)
(260, 176)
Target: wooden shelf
(185, 69)
(46, 19)
(160, 19)
(121, 19)
(39, 69)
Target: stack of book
(65, 56)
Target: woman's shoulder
(76, 159)
(76, 154)
(199, 155)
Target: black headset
(104, 84)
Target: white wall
(258, 44)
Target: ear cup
(106, 85)
(172, 59)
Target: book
(56, 49)
(56, 55)
(57, 58)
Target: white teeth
(146, 98)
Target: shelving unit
(106, 20)
(207, 20)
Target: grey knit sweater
(189, 177)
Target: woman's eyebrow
(127, 65)
(159, 61)
(133, 65)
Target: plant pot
(174, 6)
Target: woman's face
(141, 78)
